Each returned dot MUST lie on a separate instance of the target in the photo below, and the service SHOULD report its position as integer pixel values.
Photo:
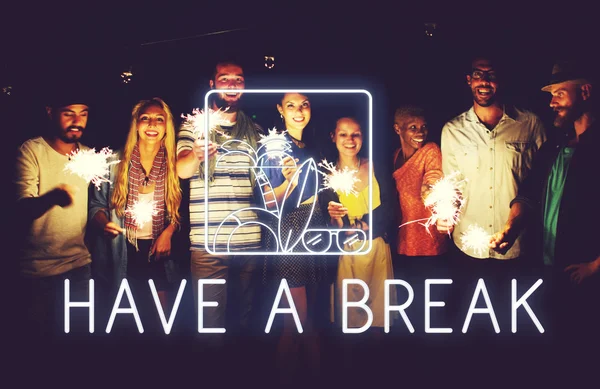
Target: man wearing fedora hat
(559, 194)
(52, 207)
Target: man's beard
(222, 104)
(571, 115)
(70, 140)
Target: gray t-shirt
(55, 242)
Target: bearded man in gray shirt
(52, 207)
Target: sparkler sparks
(195, 122)
(475, 238)
(142, 211)
(339, 180)
(91, 166)
(445, 201)
(275, 143)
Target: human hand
(581, 271)
(64, 195)
(362, 225)
(199, 149)
(503, 240)
(112, 230)
(336, 212)
(444, 226)
(162, 246)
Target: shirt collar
(509, 113)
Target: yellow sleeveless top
(358, 206)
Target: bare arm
(188, 161)
(503, 240)
(103, 223)
(288, 171)
(32, 208)
(279, 192)
(30, 204)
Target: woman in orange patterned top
(417, 165)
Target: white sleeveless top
(146, 231)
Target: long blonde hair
(172, 188)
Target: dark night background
(384, 49)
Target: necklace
(297, 141)
(146, 180)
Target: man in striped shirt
(230, 189)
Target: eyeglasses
(482, 74)
(321, 240)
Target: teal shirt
(554, 192)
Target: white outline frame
(207, 245)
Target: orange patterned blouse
(425, 166)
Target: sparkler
(445, 201)
(142, 211)
(196, 120)
(90, 165)
(275, 143)
(339, 180)
(475, 238)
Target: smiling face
(412, 132)
(567, 103)
(347, 137)
(70, 121)
(228, 76)
(483, 81)
(151, 124)
(295, 110)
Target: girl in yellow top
(375, 267)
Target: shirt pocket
(468, 159)
(519, 156)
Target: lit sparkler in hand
(475, 238)
(142, 211)
(339, 180)
(445, 200)
(195, 122)
(275, 144)
(90, 165)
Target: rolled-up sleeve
(185, 140)
(99, 200)
(449, 163)
(530, 191)
(539, 133)
(27, 174)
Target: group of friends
(526, 186)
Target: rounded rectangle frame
(333, 231)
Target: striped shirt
(228, 195)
